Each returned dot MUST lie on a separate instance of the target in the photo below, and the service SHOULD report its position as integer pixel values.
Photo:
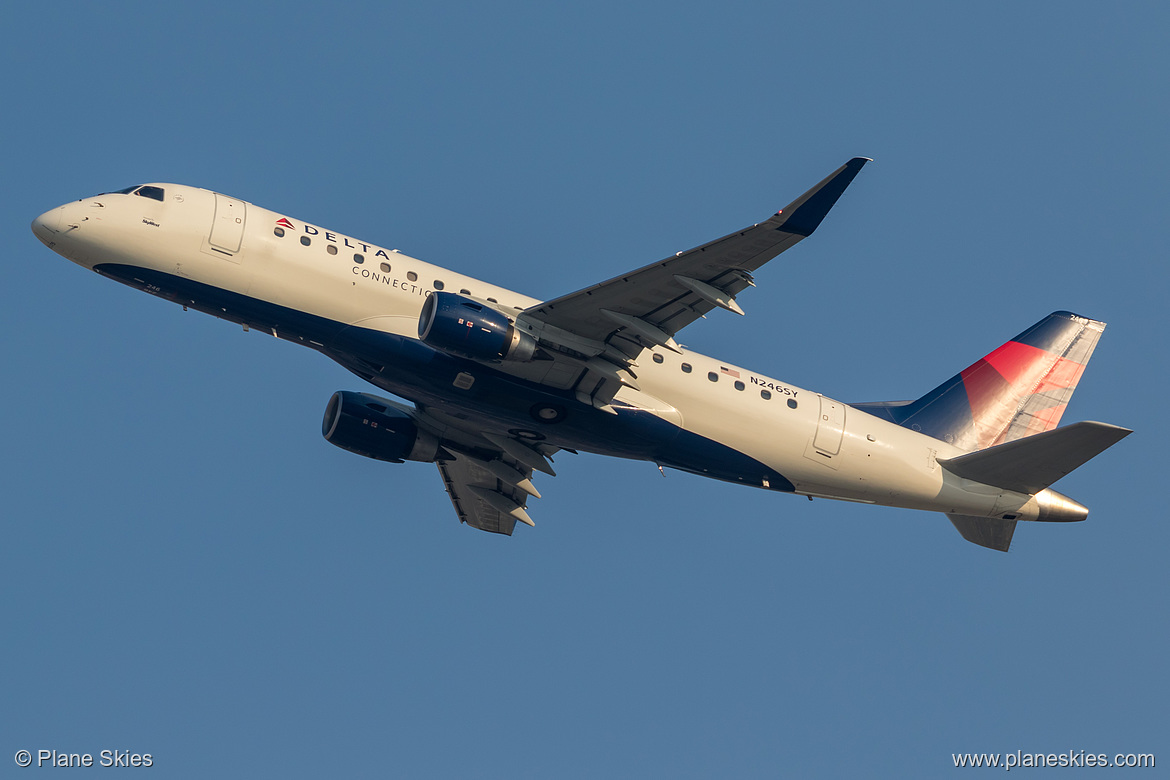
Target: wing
(473, 490)
(647, 307)
(594, 335)
(488, 476)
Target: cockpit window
(151, 192)
(156, 193)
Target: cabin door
(227, 226)
(830, 426)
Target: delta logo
(283, 222)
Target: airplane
(499, 382)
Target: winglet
(803, 215)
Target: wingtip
(805, 213)
(1120, 431)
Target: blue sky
(189, 570)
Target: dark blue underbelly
(410, 369)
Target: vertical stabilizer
(1018, 390)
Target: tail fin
(1018, 390)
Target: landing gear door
(227, 226)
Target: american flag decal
(729, 371)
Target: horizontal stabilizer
(990, 532)
(1030, 464)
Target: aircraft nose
(46, 226)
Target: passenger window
(359, 259)
(657, 358)
(493, 300)
(278, 232)
(438, 285)
(686, 367)
(412, 276)
(739, 385)
(712, 376)
(766, 394)
(331, 249)
(306, 240)
(791, 403)
(465, 292)
(155, 193)
(385, 268)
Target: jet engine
(376, 428)
(460, 325)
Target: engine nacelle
(376, 428)
(457, 324)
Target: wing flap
(461, 480)
(488, 476)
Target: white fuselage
(192, 240)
